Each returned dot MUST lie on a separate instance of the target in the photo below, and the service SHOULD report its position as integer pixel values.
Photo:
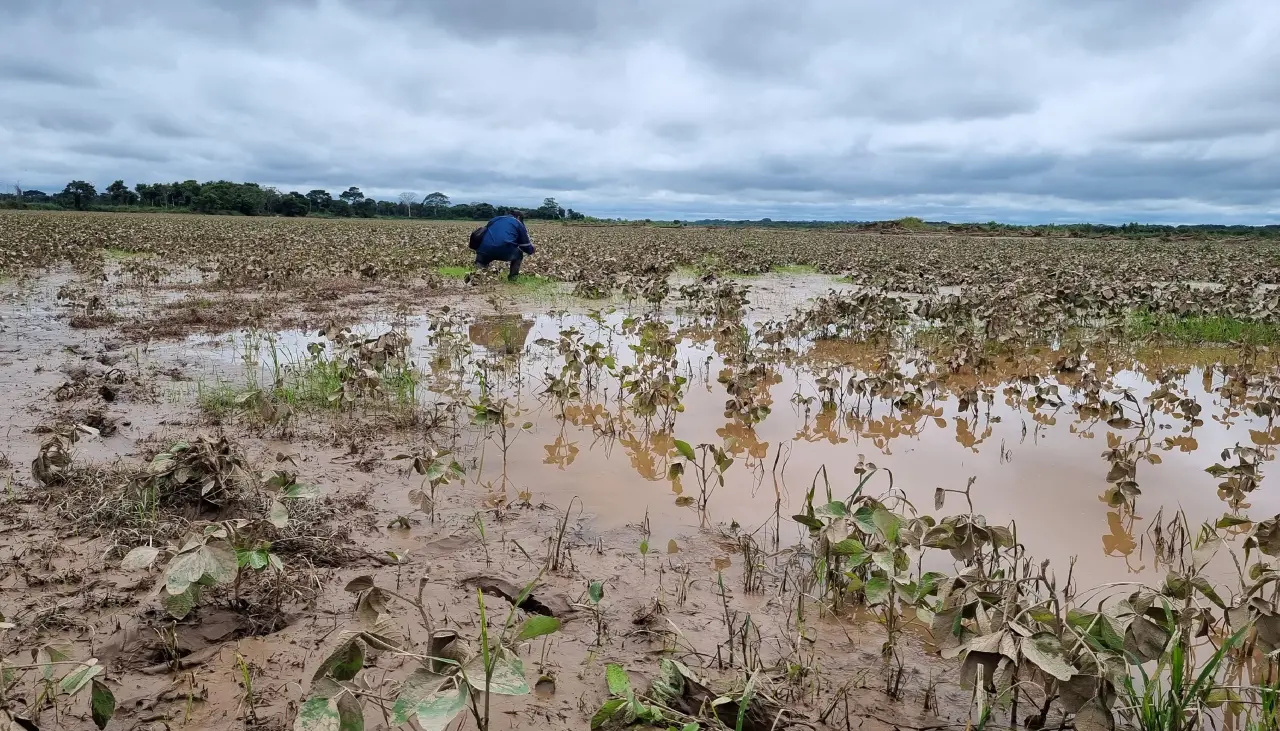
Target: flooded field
(672, 496)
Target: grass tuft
(454, 272)
(1196, 330)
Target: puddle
(1040, 466)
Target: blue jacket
(505, 239)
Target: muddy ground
(133, 366)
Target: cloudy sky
(1017, 110)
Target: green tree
(351, 195)
(81, 193)
(319, 199)
(294, 204)
(436, 203)
(549, 209)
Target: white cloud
(989, 109)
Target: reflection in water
(1096, 433)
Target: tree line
(252, 199)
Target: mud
(139, 382)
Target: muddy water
(1042, 469)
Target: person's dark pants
(483, 262)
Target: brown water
(1042, 468)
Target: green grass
(218, 400)
(532, 282)
(454, 272)
(1195, 330)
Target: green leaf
(606, 711)
(864, 518)
(537, 626)
(75, 681)
(214, 561)
(102, 704)
(835, 508)
(619, 681)
(644, 547)
(808, 521)
(595, 590)
(852, 549)
(887, 523)
(1045, 650)
(877, 590)
(686, 450)
(433, 700)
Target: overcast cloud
(1103, 110)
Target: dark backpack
(477, 237)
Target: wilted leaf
(215, 561)
(279, 515)
(595, 590)
(1094, 716)
(1044, 649)
(180, 605)
(318, 714)
(298, 491)
(507, 678)
(359, 584)
(344, 662)
(139, 558)
(1145, 640)
(430, 698)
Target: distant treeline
(992, 227)
(251, 199)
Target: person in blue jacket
(505, 239)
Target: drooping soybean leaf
(595, 590)
(1044, 649)
(344, 662)
(102, 703)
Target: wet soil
(139, 381)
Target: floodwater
(1041, 468)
